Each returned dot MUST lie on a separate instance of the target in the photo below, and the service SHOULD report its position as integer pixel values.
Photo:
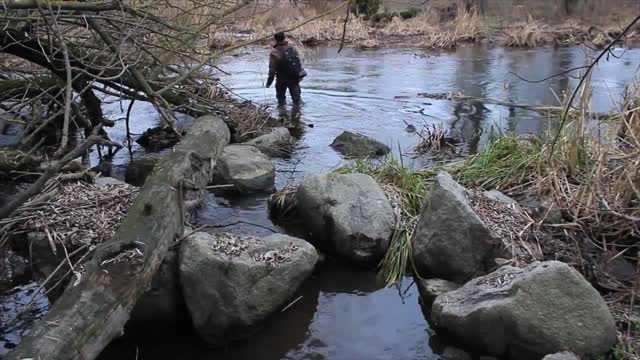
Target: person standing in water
(285, 66)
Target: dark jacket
(275, 57)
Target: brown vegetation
(446, 24)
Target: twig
(344, 27)
(291, 303)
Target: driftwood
(93, 312)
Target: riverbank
(576, 186)
(431, 27)
(367, 105)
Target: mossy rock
(138, 170)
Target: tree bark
(60, 5)
(92, 313)
(28, 88)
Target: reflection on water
(375, 92)
(345, 313)
(19, 309)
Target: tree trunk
(93, 312)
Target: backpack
(290, 65)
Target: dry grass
(283, 203)
(419, 25)
(440, 40)
(525, 34)
(466, 27)
(469, 26)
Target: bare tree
(59, 58)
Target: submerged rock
(138, 170)
(44, 261)
(349, 213)
(163, 303)
(276, 143)
(158, 138)
(528, 313)
(450, 240)
(430, 289)
(231, 284)
(246, 168)
(453, 353)
(357, 145)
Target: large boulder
(138, 170)
(348, 213)
(246, 168)
(450, 241)
(357, 145)
(526, 313)
(278, 142)
(231, 284)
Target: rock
(499, 196)
(158, 138)
(450, 240)
(13, 269)
(357, 145)
(348, 213)
(104, 168)
(528, 313)
(542, 209)
(163, 303)
(246, 168)
(106, 181)
(231, 284)
(276, 143)
(430, 289)
(44, 261)
(562, 356)
(138, 170)
(453, 353)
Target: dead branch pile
(71, 214)
(247, 119)
(434, 141)
(510, 224)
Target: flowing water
(346, 313)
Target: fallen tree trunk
(91, 313)
(29, 88)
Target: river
(346, 313)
